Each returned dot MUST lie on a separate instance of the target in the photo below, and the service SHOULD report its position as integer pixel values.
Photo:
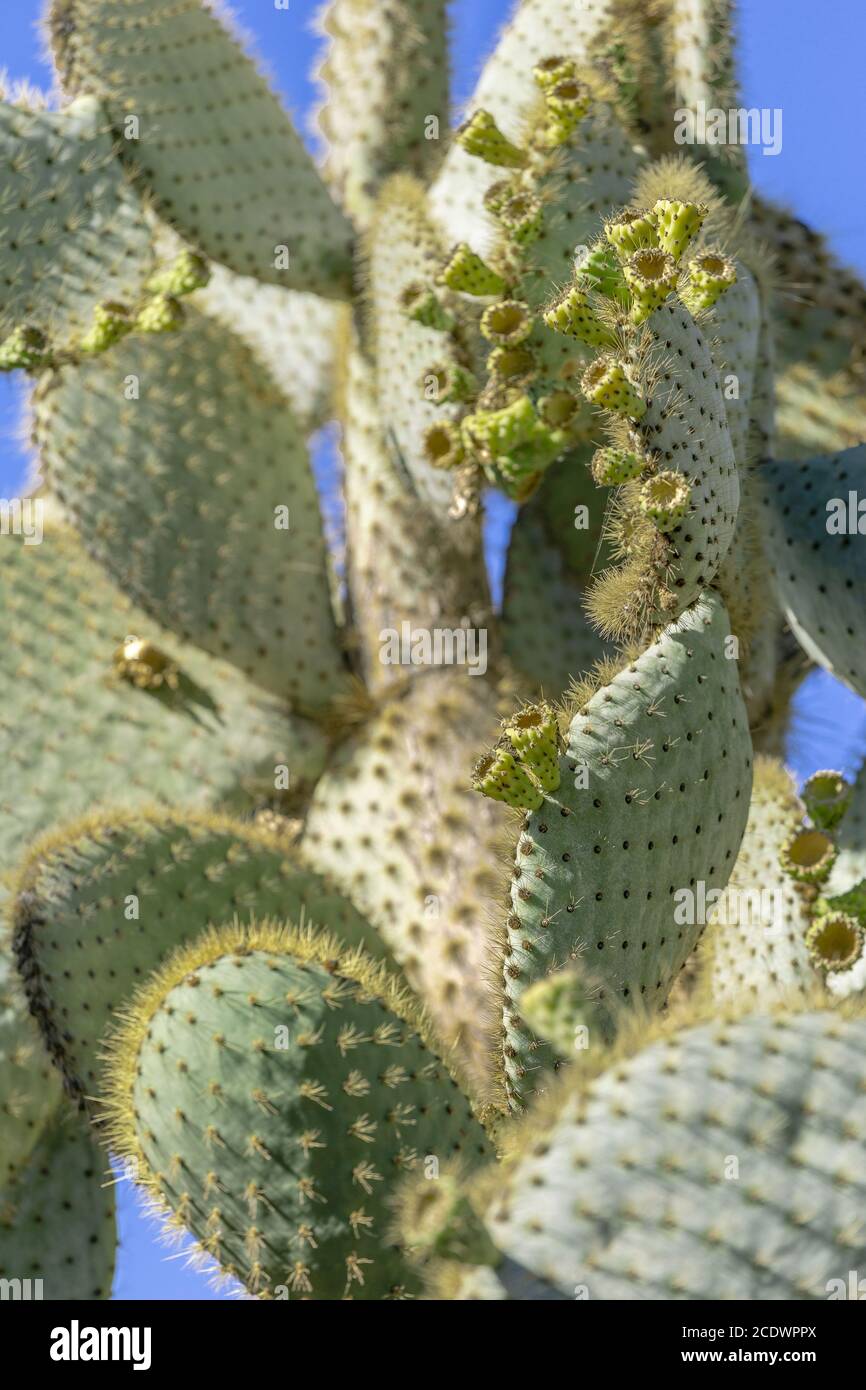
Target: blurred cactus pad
(401, 938)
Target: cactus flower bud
(550, 72)
(188, 272)
(507, 323)
(26, 347)
(826, 796)
(500, 193)
(678, 223)
(501, 431)
(110, 323)
(835, 941)
(500, 776)
(606, 383)
(631, 230)
(573, 315)
(599, 269)
(559, 410)
(480, 136)
(448, 381)
(567, 103)
(522, 218)
(443, 445)
(420, 303)
(709, 276)
(664, 498)
(468, 274)
(651, 274)
(534, 735)
(809, 856)
(162, 314)
(512, 364)
(611, 467)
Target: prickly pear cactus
(402, 942)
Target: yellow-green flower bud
(26, 348)
(678, 223)
(507, 323)
(567, 103)
(574, 315)
(188, 272)
(468, 274)
(500, 776)
(420, 303)
(550, 72)
(162, 314)
(835, 941)
(651, 274)
(665, 498)
(708, 278)
(612, 467)
(631, 230)
(110, 322)
(522, 218)
(443, 445)
(607, 384)
(533, 733)
(826, 796)
(448, 381)
(480, 136)
(808, 856)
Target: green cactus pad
(685, 430)
(29, 1085)
(734, 331)
(57, 1217)
(821, 325)
(755, 948)
(814, 416)
(294, 334)
(61, 172)
(231, 174)
(395, 825)
(271, 1089)
(233, 557)
(99, 904)
(544, 629)
(216, 738)
(654, 798)
(386, 103)
(678, 1174)
(546, 633)
(402, 565)
(813, 511)
(403, 252)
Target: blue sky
(811, 70)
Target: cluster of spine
(253, 867)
